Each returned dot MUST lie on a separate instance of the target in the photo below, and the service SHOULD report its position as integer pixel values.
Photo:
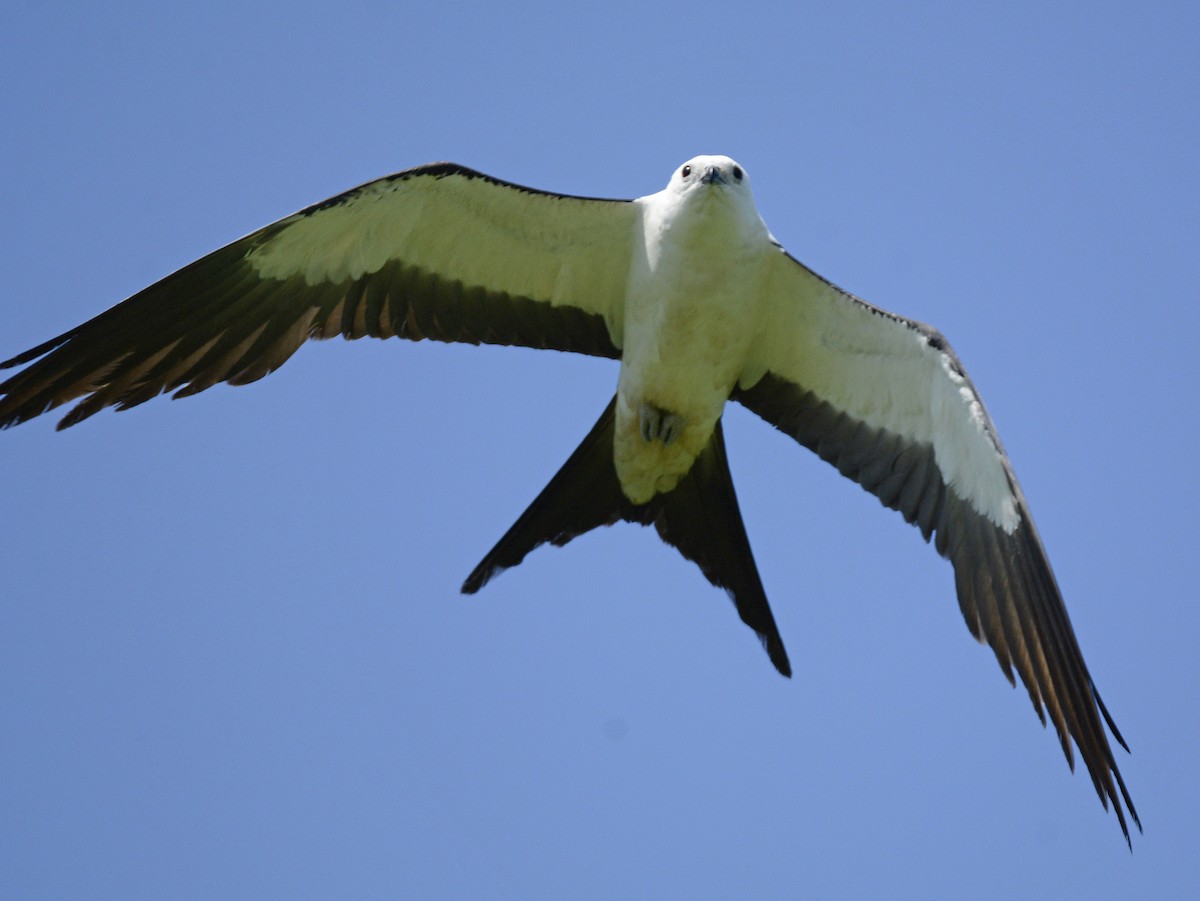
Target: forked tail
(699, 518)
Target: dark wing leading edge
(438, 252)
(886, 401)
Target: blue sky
(233, 657)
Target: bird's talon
(657, 423)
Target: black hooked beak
(713, 176)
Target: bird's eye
(737, 172)
(685, 171)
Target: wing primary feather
(1108, 719)
(1056, 704)
(41, 350)
(1030, 660)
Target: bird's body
(694, 309)
(689, 291)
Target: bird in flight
(700, 305)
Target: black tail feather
(699, 517)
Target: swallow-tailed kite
(700, 305)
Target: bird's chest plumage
(689, 320)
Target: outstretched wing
(886, 401)
(439, 252)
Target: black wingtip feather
(34, 352)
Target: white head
(701, 173)
(712, 185)
(710, 189)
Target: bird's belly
(683, 363)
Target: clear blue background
(233, 659)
